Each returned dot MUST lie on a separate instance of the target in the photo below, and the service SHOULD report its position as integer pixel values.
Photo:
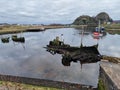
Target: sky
(54, 11)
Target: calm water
(30, 59)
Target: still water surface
(30, 59)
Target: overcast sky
(54, 11)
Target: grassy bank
(112, 26)
(113, 31)
(24, 28)
(12, 29)
(101, 85)
(18, 86)
(109, 27)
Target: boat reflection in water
(70, 54)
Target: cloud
(60, 11)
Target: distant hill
(85, 20)
(103, 17)
(88, 20)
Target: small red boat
(96, 33)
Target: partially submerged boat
(5, 39)
(18, 39)
(84, 54)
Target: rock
(92, 21)
(103, 17)
(85, 20)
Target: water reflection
(90, 31)
(34, 61)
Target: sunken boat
(18, 39)
(5, 40)
(84, 54)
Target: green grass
(112, 26)
(101, 85)
(12, 29)
(113, 31)
(18, 86)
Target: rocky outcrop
(88, 20)
(103, 17)
(85, 20)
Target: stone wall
(47, 83)
(109, 85)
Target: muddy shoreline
(8, 29)
(17, 29)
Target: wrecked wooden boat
(18, 39)
(5, 40)
(84, 54)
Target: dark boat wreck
(5, 40)
(18, 39)
(70, 54)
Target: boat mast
(99, 26)
(81, 45)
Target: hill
(103, 17)
(85, 20)
(88, 20)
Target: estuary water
(30, 59)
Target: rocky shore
(111, 59)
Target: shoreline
(17, 29)
(111, 59)
(27, 28)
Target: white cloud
(55, 11)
